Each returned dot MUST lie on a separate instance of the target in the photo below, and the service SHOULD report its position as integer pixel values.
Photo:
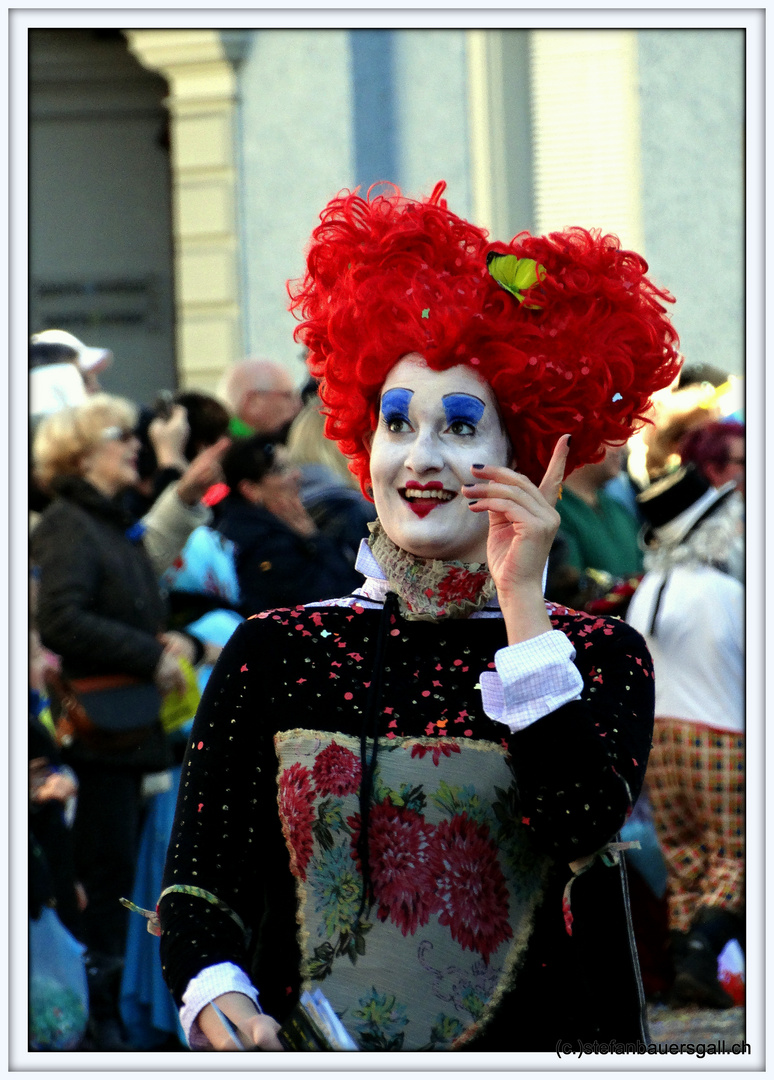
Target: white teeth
(419, 493)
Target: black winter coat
(99, 603)
(275, 566)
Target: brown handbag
(104, 713)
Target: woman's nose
(424, 454)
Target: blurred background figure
(690, 610)
(171, 436)
(329, 491)
(53, 788)
(63, 371)
(281, 557)
(595, 560)
(717, 450)
(702, 397)
(598, 531)
(89, 360)
(262, 397)
(693, 401)
(55, 380)
(100, 609)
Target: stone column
(202, 105)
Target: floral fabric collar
(430, 589)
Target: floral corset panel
(454, 874)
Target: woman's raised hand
(522, 524)
(168, 438)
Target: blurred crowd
(154, 531)
(654, 533)
(156, 528)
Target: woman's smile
(422, 498)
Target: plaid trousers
(695, 783)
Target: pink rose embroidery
(471, 892)
(399, 854)
(445, 749)
(336, 771)
(297, 813)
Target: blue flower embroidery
(380, 1021)
(337, 890)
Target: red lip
(422, 507)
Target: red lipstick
(424, 504)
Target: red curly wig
(387, 276)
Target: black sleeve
(226, 837)
(70, 582)
(580, 769)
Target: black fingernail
(472, 502)
(569, 439)
(478, 466)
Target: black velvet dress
(445, 922)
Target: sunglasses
(117, 434)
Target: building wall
(322, 110)
(100, 232)
(304, 113)
(692, 94)
(295, 132)
(431, 89)
(399, 104)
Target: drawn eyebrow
(463, 407)
(396, 400)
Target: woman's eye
(461, 427)
(397, 424)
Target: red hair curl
(387, 276)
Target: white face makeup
(433, 425)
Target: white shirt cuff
(205, 987)
(532, 678)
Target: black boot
(105, 1031)
(719, 926)
(695, 957)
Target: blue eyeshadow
(396, 402)
(463, 407)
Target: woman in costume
(409, 797)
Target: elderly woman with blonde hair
(101, 610)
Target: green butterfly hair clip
(514, 275)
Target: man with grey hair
(262, 398)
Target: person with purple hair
(717, 450)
